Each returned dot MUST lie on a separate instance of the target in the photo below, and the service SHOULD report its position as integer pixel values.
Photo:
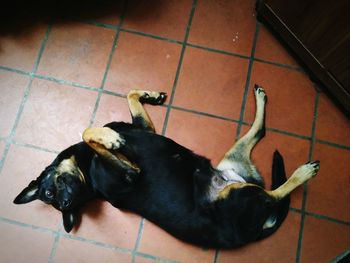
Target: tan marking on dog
(136, 108)
(67, 166)
(223, 194)
(70, 166)
(127, 162)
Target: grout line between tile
(25, 97)
(218, 51)
(25, 225)
(18, 71)
(27, 145)
(98, 24)
(151, 36)
(295, 210)
(327, 218)
(247, 84)
(289, 133)
(202, 113)
(178, 70)
(54, 249)
(138, 239)
(344, 147)
(65, 82)
(216, 257)
(279, 65)
(97, 243)
(303, 206)
(154, 258)
(114, 47)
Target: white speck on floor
(235, 37)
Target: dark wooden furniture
(318, 32)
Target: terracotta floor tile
(69, 250)
(332, 124)
(163, 18)
(102, 222)
(23, 165)
(112, 108)
(77, 52)
(143, 63)
(143, 260)
(12, 91)
(225, 25)
(55, 115)
(329, 192)
(19, 244)
(212, 83)
(295, 152)
(323, 241)
(204, 135)
(168, 247)
(291, 98)
(21, 50)
(270, 49)
(279, 247)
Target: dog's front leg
(106, 142)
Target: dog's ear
(30, 193)
(68, 220)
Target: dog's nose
(66, 202)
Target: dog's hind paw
(260, 92)
(153, 97)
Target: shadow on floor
(20, 16)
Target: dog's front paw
(260, 93)
(153, 97)
(105, 136)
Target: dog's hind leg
(245, 144)
(139, 115)
(238, 157)
(106, 142)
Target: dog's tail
(281, 208)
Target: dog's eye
(49, 194)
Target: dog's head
(62, 184)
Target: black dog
(135, 169)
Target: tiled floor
(58, 78)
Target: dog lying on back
(135, 169)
